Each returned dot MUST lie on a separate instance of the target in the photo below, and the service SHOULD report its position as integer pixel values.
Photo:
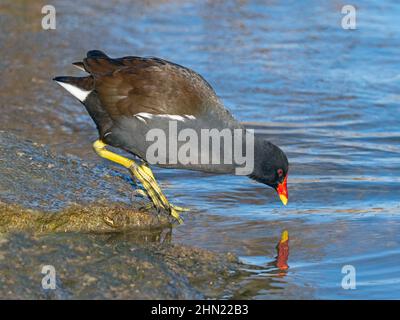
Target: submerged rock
(142, 265)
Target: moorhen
(126, 97)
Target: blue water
(328, 96)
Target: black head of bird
(271, 167)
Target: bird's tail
(79, 87)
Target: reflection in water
(282, 249)
(328, 96)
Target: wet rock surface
(83, 220)
(41, 191)
(36, 178)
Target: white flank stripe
(140, 118)
(169, 116)
(144, 115)
(78, 93)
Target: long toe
(177, 208)
(176, 215)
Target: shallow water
(329, 97)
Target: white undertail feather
(78, 93)
(79, 67)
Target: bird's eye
(280, 172)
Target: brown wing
(131, 85)
(98, 63)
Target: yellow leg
(144, 174)
(145, 170)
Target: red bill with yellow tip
(283, 192)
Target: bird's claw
(153, 191)
(176, 215)
(141, 192)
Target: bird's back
(131, 85)
(129, 96)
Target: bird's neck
(262, 158)
(256, 155)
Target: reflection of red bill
(283, 251)
(282, 191)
